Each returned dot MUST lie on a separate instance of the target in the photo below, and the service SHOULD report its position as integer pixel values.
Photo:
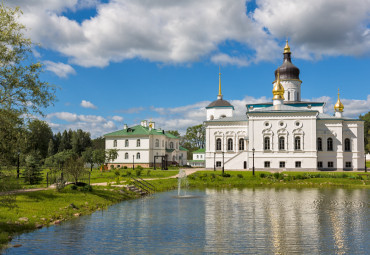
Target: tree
(196, 136)
(39, 135)
(366, 118)
(51, 150)
(98, 143)
(74, 168)
(174, 132)
(99, 157)
(57, 161)
(65, 142)
(80, 141)
(20, 86)
(88, 156)
(33, 173)
(111, 155)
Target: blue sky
(122, 61)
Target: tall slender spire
(286, 48)
(219, 96)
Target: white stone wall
(217, 112)
(198, 156)
(293, 88)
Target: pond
(248, 221)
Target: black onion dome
(287, 70)
(219, 102)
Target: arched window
(241, 144)
(166, 144)
(347, 144)
(156, 142)
(126, 155)
(229, 144)
(297, 96)
(162, 143)
(218, 144)
(171, 145)
(297, 143)
(267, 143)
(319, 144)
(330, 144)
(126, 143)
(138, 155)
(115, 143)
(177, 145)
(281, 143)
(138, 143)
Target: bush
(139, 167)
(128, 172)
(278, 175)
(262, 175)
(117, 172)
(148, 172)
(125, 167)
(213, 175)
(226, 175)
(239, 175)
(138, 171)
(117, 180)
(111, 167)
(33, 173)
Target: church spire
(287, 47)
(219, 96)
(278, 91)
(338, 107)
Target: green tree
(98, 143)
(57, 161)
(80, 141)
(65, 142)
(196, 136)
(174, 132)
(39, 135)
(51, 150)
(33, 173)
(74, 168)
(99, 157)
(111, 155)
(88, 156)
(366, 119)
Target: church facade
(285, 134)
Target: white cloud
(132, 110)
(60, 69)
(87, 104)
(224, 59)
(117, 118)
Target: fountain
(182, 181)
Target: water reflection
(248, 221)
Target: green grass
(368, 164)
(203, 179)
(45, 207)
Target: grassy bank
(211, 179)
(43, 208)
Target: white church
(285, 134)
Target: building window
(330, 164)
(218, 163)
(230, 144)
(267, 143)
(347, 144)
(218, 144)
(282, 164)
(126, 143)
(162, 143)
(138, 155)
(157, 143)
(298, 164)
(241, 144)
(267, 164)
(115, 143)
(319, 144)
(138, 143)
(319, 164)
(166, 144)
(348, 164)
(177, 145)
(281, 143)
(126, 155)
(297, 143)
(288, 96)
(197, 156)
(171, 145)
(330, 144)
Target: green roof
(170, 150)
(200, 151)
(183, 149)
(140, 130)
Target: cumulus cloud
(117, 118)
(87, 104)
(224, 59)
(60, 69)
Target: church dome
(219, 103)
(287, 70)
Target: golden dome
(286, 48)
(278, 90)
(338, 107)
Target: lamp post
(214, 161)
(365, 164)
(223, 161)
(133, 162)
(20, 153)
(253, 160)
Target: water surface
(248, 221)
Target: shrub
(262, 175)
(33, 173)
(213, 175)
(139, 167)
(138, 171)
(239, 175)
(128, 172)
(117, 172)
(148, 172)
(277, 175)
(117, 180)
(111, 167)
(85, 188)
(125, 167)
(226, 175)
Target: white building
(199, 157)
(140, 144)
(286, 133)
